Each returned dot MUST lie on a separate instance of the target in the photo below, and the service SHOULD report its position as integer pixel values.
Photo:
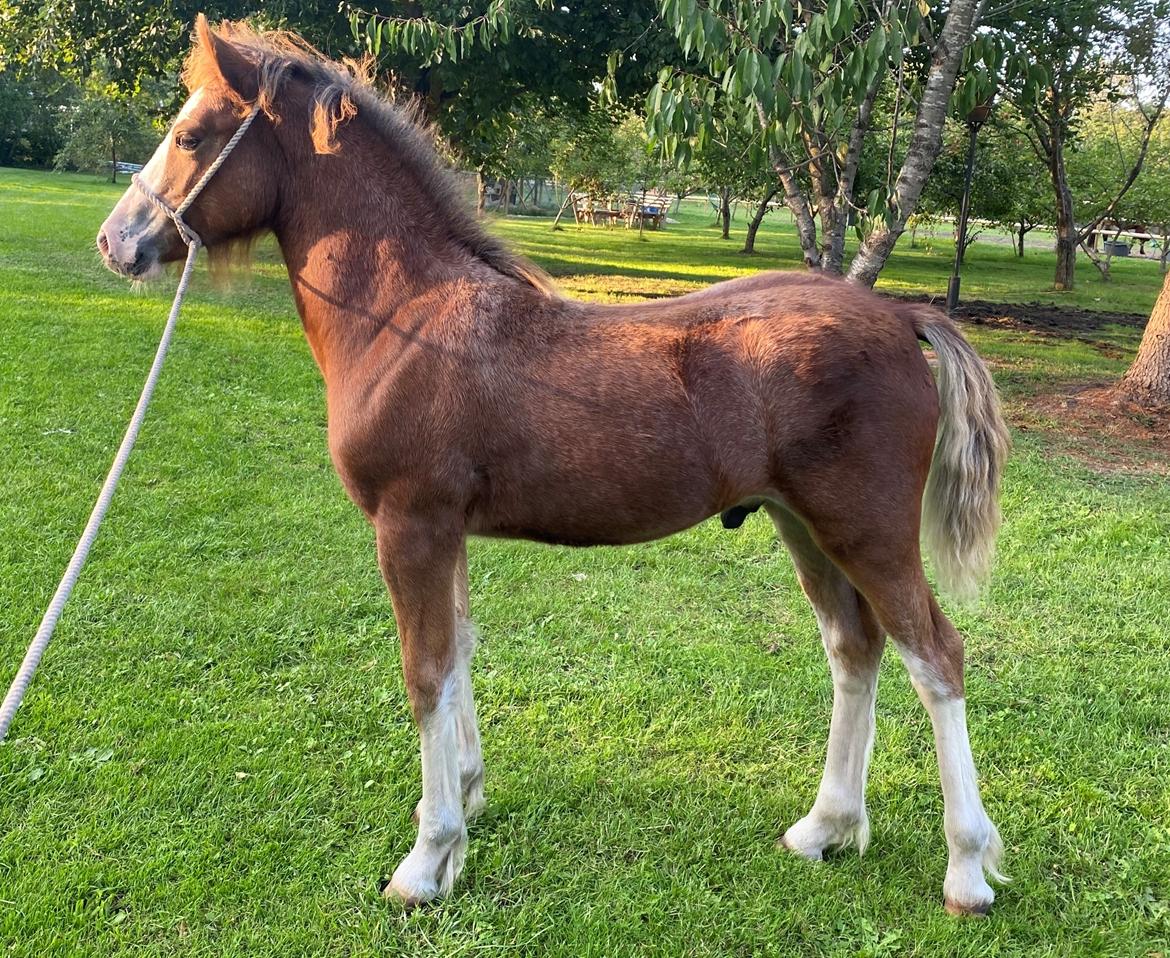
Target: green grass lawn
(217, 759)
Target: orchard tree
(102, 127)
(734, 162)
(1148, 203)
(520, 148)
(765, 190)
(1028, 197)
(1147, 381)
(680, 182)
(469, 63)
(1007, 188)
(1112, 135)
(604, 153)
(807, 75)
(1090, 49)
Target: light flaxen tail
(960, 508)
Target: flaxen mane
(342, 91)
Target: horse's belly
(615, 491)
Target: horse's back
(642, 416)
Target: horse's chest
(378, 453)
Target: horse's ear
(234, 70)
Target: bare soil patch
(1043, 318)
(1092, 423)
(1085, 420)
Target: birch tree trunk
(925, 142)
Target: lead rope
(40, 641)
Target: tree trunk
(1022, 232)
(1067, 236)
(113, 162)
(968, 241)
(832, 259)
(480, 191)
(926, 141)
(564, 206)
(1103, 263)
(847, 178)
(824, 189)
(725, 210)
(1148, 379)
(794, 198)
(749, 243)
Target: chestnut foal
(466, 397)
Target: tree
(807, 76)
(1090, 48)
(102, 127)
(1007, 187)
(735, 162)
(30, 102)
(471, 62)
(1111, 134)
(1028, 197)
(1148, 203)
(764, 197)
(520, 148)
(1148, 378)
(946, 57)
(602, 154)
(134, 41)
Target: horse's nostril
(103, 243)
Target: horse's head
(239, 201)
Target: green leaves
(435, 40)
(992, 63)
(794, 69)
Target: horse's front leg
(419, 558)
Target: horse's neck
(359, 246)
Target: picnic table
(636, 209)
(649, 208)
(586, 210)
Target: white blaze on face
(135, 217)
(157, 163)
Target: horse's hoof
(808, 854)
(977, 910)
(410, 894)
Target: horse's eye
(187, 142)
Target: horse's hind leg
(887, 569)
(853, 641)
(932, 649)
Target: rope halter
(175, 213)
